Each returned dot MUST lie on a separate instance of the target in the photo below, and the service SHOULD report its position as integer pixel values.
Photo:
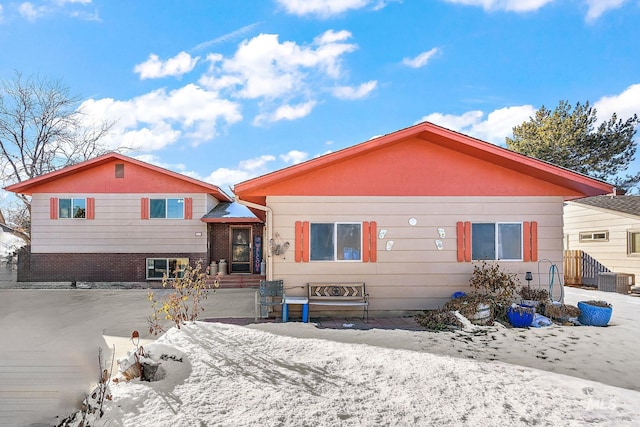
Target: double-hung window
(72, 208)
(335, 241)
(496, 241)
(166, 208)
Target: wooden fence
(581, 269)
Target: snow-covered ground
(295, 374)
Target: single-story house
(409, 212)
(607, 228)
(117, 219)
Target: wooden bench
(339, 295)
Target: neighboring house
(114, 218)
(408, 213)
(607, 228)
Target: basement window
(157, 268)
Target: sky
(227, 90)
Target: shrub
(491, 280)
(438, 320)
(185, 303)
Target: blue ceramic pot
(592, 315)
(520, 317)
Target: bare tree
(41, 130)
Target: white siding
(117, 227)
(613, 253)
(414, 274)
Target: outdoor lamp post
(528, 277)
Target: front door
(240, 249)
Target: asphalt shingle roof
(625, 204)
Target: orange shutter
(526, 241)
(298, 242)
(463, 241)
(366, 242)
(534, 241)
(467, 241)
(53, 208)
(144, 208)
(91, 208)
(373, 245)
(460, 240)
(305, 241)
(188, 208)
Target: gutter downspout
(269, 232)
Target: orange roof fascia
(25, 187)
(446, 138)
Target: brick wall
(90, 267)
(219, 240)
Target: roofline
(482, 147)
(24, 186)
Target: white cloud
(294, 157)
(226, 37)
(420, 60)
(494, 128)
(158, 119)
(348, 92)
(498, 124)
(247, 169)
(625, 105)
(30, 12)
(270, 69)
(283, 76)
(324, 8)
(285, 112)
(154, 68)
(598, 7)
(506, 5)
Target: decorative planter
(482, 315)
(592, 315)
(520, 317)
(530, 303)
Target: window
(496, 241)
(119, 170)
(633, 241)
(72, 208)
(335, 241)
(158, 267)
(594, 236)
(166, 208)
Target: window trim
(335, 240)
(168, 261)
(583, 236)
(497, 240)
(630, 233)
(72, 199)
(166, 207)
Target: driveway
(50, 340)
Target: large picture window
(496, 241)
(338, 241)
(166, 208)
(157, 268)
(72, 208)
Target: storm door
(240, 249)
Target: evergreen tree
(568, 137)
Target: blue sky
(227, 90)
